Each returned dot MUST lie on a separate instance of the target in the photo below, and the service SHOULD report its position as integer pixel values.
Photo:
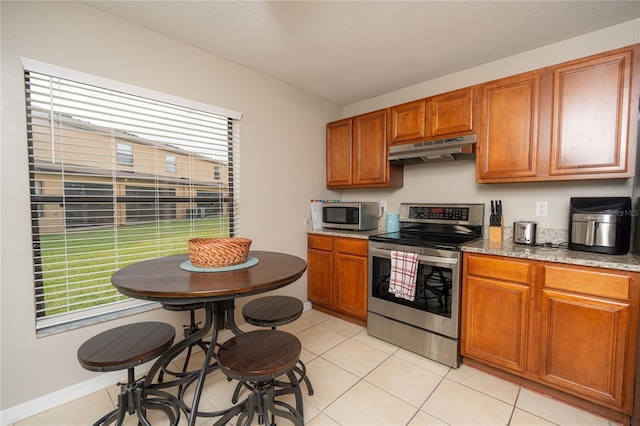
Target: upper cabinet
(439, 116)
(408, 122)
(507, 146)
(590, 123)
(452, 112)
(358, 153)
(566, 122)
(570, 121)
(339, 153)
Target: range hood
(435, 150)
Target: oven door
(437, 299)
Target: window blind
(116, 178)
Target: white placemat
(188, 266)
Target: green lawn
(78, 272)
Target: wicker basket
(218, 252)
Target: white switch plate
(542, 209)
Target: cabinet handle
(427, 259)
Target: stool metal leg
(142, 419)
(132, 400)
(302, 371)
(262, 403)
(188, 330)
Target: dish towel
(404, 267)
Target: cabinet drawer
(320, 242)
(351, 246)
(594, 283)
(501, 269)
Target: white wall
(455, 182)
(282, 164)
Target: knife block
(496, 232)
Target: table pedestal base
(219, 315)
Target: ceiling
(348, 51)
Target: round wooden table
(163, 280)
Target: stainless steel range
(426, 318)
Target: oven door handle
(423, 258)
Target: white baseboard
(36, 406)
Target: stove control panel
(439, 213)
(442, 214)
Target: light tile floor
(361, 380)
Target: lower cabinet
(570, 328)
(337, 275)
(586, 333)
(497, 295)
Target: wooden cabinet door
(583, 345)
(496, 311)
(350, 276)
(339, 167)
(320, 276)
(370, 149)
(496, 323)
(350, 279)
(588, 340)
(507, 147)
(452, 112)
(408, 122)
(591, 116)
(320, 269)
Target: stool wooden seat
(274, 311)
(257, 358)
(125, 347)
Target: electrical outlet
(383, 207)
(542, 208)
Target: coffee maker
(600, 224)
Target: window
(170, 164)
(125, 154)
(95, 209)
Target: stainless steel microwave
(353, 216)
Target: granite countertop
(626, 262)
(364, 235)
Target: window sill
(85, 322)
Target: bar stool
(125, 347)
(192, 328)
(257, 358)
(274, 311)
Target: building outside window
(150, 211)
(87, 213)
(95, 210)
